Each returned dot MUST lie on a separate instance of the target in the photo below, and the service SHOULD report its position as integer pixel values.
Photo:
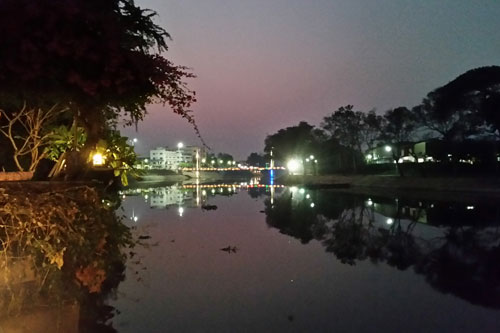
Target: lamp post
(197, 172)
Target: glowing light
(389, 221)
(293, 165)
(135, 140)
(388, 148)
(203, 160)
(136, 218)
(302, 191)
(180, 145)
(293, 189)
(369, 156)
(369, 202)
(312, 204)
(470, 207)
(308, 196)
(311, 157)
(181, 211)
(98, 159)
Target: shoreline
(397, 183)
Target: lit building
(164, 158)
(172, 158)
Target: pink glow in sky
(263, 65)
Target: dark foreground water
(239, 259)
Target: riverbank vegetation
(59, 245)
(455, 124)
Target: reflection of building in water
(177, 196)
(435, 212)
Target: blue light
(271, 177)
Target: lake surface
(242, 258)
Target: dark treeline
(462, 111)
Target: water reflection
(184, 196)
(455, 245)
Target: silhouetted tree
(100, 58)
(464, 107)
(292, 141)
(355, 130)
(256, 159)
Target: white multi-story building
(164, 158)
(167, 158)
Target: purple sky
(263, 65)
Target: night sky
(263, 65)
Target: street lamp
(180, 145)
(388, 148)
(293, 165)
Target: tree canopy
(300, 140)
(466, 106)
(102, 58)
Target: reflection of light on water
(204, 192)
(134, 217)
(181, 211)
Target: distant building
(174, 158)
(164, 158)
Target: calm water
(239, 259)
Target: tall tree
(399, 125)
(100, 58)
(256, 159)
(465, 106)
(355, 130)
(299, 141)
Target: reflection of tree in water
(68, 244)
(462, 261)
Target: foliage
(225, 157)
(292, 141)
(62, 139)
(26, 130)
(256, 159)
(101, 59)
(345, 125)
(399, 125)
(119, 155)
(464, 107)
(70, 236)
